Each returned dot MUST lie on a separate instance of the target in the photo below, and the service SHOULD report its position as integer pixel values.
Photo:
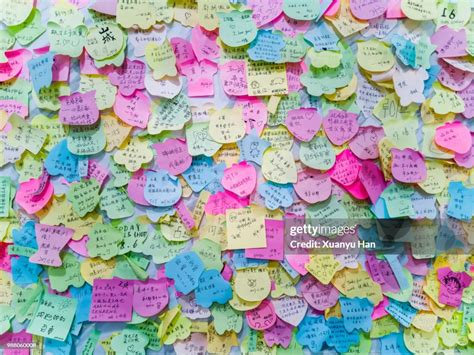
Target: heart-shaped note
(303, 123)
(313, 186)
(454, 136)
(290, 309)
(408, 165)
(340, 126)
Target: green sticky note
(210, 254)
(29, 30)
(104, 241)
(130, 341)
(237, 28)
(48, 98)
(226, 318)
(121, 174)
(5, 191)
(16, 89)
(68, 274)
(115, 202)
(91, 343)
(318, 153)
(25, 301)
(53, 317)
(150, 329)
(86, 140)
(161, 249)
(84, 196)
(65, 40)
(6, 315)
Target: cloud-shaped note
(185, 269)
(212, 288)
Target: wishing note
(356, 313)
(340, 126)
(24, 135)
(51, 240)
(454, 136)
(240, 179)
(53, 317)
(452, 285)
(408, 165)
(104, 241)
(79, 109)
(212, 288)
(236, 28)
(161, 59)
(112, 300)
(266, 78)
(41, 71)
(150, 297)
(172, 156)
(274, 232)
(246, 228)
(134, 154)
(161, 189)
(303, 123)
(185, 269)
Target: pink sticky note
(112, 300)
(379, 310)
(454, 136)
(319, 296)
(200, 77)
(13, 106)
(51, 240)
(134, 109)
(254, 112)
(293, 75)
(240, 179)
(408, 165)
(204, 44)
(105, 7)
(394, 9)
(450, 43)
(368, 9)
(150, 297)
(365, 144)
(185, 214)
(303, 123)
(265, 11)
(279, 334)
(14, 64)
(226, 272)
(79, 246)
(357, 190)
(97, 171)
(416, 266)
(31, 202)
(262, 317)
(183, 51)
(467, 95)
(290, 27)
(298, 262)
(129, 77)
(172, 155)
(5, 258)
(454, 78)
(333, 8)
(87, 66)
(21, 337)
(79, 109)
(60, 67)
(373, 180)
(346, 168)
(136, 188)
(234, 78)
(381, 272)
(466, 160)
(222, 201)
(313, 186)
(340, 126)
(274, 230)
(452, 285)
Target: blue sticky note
(24, 272)
(41, 73)
(276, 195)
(26, 236)
(185, 269)
(200, 173)
(215, 185)
(212, 288)
(461, 202)
(288, 268)
(60, 161)
(241, 262)
(403, 312)
(339, 337)
(155, 213)
(356, 313)
(424, 206)
(379, 209)
(57, 347)
(405, 50)
(322, 37)
(266, 46)
(252, 148)
(313, 332)
(433, 72)
(162, 189)
(397, 271)
(393, 344)
(84, 299)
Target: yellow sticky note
(266, 79)
(252, 284)
(227, 125)
(246, 227)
